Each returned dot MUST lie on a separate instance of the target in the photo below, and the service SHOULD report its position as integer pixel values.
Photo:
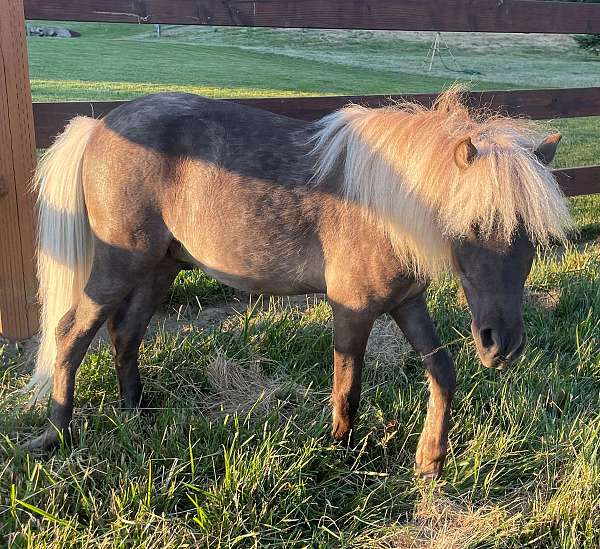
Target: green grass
(523, 468)
(522, 60)
(60, 70)
(523, 444)
(270, 61)
(203, 289)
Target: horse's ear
(464, 153)
(547, 148)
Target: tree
(588, 42)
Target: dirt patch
(187, 318)
(192, 317)
(546, 300)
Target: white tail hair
(64, 241)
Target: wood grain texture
(18, 306)
(442, 15)
(51, 118)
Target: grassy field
(118, 61)
(235, 451)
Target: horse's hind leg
(114, 273)
(74, 334)
(127, 326)
(413, 319)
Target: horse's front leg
(413, 319)
(351, 331)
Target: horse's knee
(441, 374)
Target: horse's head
(493, 274)
(493, 277)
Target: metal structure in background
(23, 125)
(439, 48)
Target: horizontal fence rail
(50, 118)
(579, 181)
(438, 15)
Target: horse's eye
(475, 232)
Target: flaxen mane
(398, 161)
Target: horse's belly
(274, 273)
(265, 285)
(247, 232)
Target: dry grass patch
(387, 344)
(241, 387)
(440, 523)
(543, 299)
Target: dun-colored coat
(366, 205)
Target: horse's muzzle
(495, 349)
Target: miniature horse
(366, 205)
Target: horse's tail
(64, 241)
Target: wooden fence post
(18, 307)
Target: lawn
(235, 450)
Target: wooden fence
(438, 15)
(435, 15)
(18, 310)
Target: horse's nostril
(487, 338)
(518, 350)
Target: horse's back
(248, 140)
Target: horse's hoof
(341, 438)
(429, 465)
(46, 441)
(433, 472)
(341, 433)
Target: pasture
(235, 450)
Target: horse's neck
(415, 245)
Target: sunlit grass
(72, 90)
(522, 464)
